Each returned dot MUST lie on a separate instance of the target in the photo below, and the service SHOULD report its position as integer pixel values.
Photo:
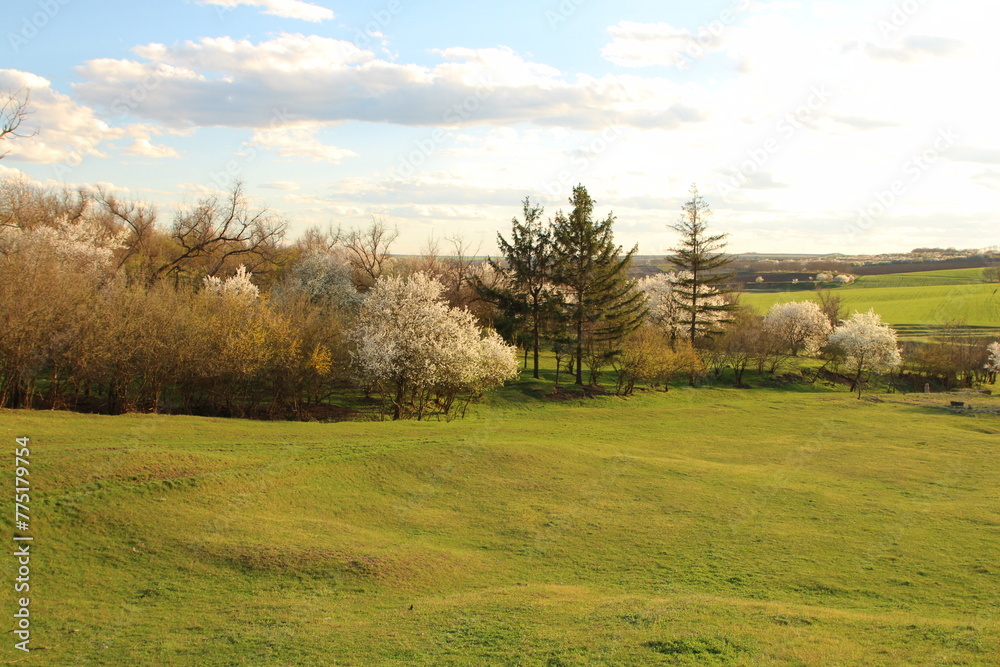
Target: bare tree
(139, 218)
(318, 239)
(14, 109)
(461, 266)
(217, 230)
(368, 249)
(831, 306)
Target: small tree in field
(601, 304)
(868, 345)
(993, 361)
(414, 348)
(525, 291)
(799, 325)
(699, 258)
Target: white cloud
(290, 9)
(647, 44)
(144, 148)
(287, 186)
(299, 142)
(66, 131)
(912, 48)
(315, 79)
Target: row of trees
(568, 283)
(103, 308)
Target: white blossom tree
(993, 361)
(800, 325)
(239, 287)
(868, 345)
(665, 303)
(413, 348)
(325, 277)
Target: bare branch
(14, 108)
(218, 230)
(138, 218)
(369, 249)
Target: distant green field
(924, 279)
(914, 300)
(709, 526)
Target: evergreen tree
(525, 295)
(699, 259)
(602, 303)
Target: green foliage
(602, 304)
(698, 256)
(524, 293)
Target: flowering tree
(993, 362)
(868, 346)
(413, 348)
(800, 325)
(666, 303)
(325, 278)
(48, 273)
(238, 287)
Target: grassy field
(924, 279)
(917, 303)
(708, 526)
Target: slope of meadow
(705, 526)
(912, 301)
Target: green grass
(708, 527)
(924, 279)
(916, 303)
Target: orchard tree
(525, 289)
(602, 304)
(700, 255)
(868, 345)
(799, 325)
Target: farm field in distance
(700, 526)
(916, 304)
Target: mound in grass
(694, 527)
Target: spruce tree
(700, 255)
(602, 304)
(525, 295)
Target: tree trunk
(536, 335)
(579, 353)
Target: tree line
(105, 307)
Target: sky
(809, 127)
